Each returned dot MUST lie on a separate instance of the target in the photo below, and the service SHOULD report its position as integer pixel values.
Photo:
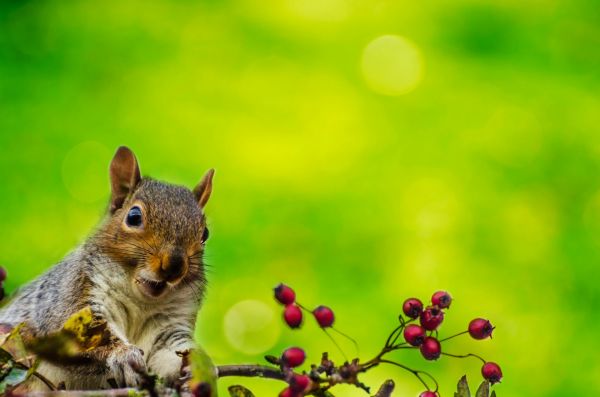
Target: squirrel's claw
(126, 365)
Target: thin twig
(249, 370)
(416, 373)
(41, 377)
(125, 392)
(453, 336)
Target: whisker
(152, 249)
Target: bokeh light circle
(392, 65)
(85, 171)
(251, 327)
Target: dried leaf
(272, 359)
(239, 391)
(89, 332)
(5, 356)
(80, 333)
(15, 347)
(6, 367)
(386, 389)
(5, 330)
(484, 389)
(60, 348)
(463, 388)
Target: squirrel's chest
(142, 324)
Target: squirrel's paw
(126, 366)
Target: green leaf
(203, 369)
(493, 394)
(6, 367)
(15, 377)
(239, 391)
(484, 389)
(463, 388)
(322, 393)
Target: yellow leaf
(88, 331)
(80, 333)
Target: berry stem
(454, 336)
(397, 331)
(402, 345)
(394, 335)
(348, 337)
(303, 307)
(465, 356)
(416, 373)
(335, 343)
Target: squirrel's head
(157, 231)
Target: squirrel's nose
(174, 267)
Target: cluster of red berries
(298, 383)
(292, 314)
(430, 318)
(2, 278)
(418, 325)
(295, 356)
(424, 334)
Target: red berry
(441, 299)
(428, 394)
(2, 274)
(293, 357)
(414, 334)
(324, 316)
(201, 389)
(492, 372)
(288, 392)
(412, 307)
(431, 318)
(284, 294)
(299, 383)
(480, 328)
(292, 316)
(431, 348)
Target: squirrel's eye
(134, 217)
(205, 234)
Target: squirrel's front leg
(162, 359)
(125, 362)
(119, 359)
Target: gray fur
(92, 276)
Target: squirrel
(141, 271)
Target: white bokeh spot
(251, 327)
(392, 65)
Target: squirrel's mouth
(150, 287)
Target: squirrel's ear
(204, 188)
(124, 176)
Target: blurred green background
(366, 151)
